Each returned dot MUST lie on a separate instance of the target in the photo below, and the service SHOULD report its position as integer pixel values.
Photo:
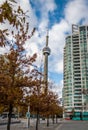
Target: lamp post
(28, 116)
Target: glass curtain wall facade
(76, 72)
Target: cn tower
(46, 53)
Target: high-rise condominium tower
(75, 90)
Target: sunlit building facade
(75, 90)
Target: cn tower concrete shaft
(46, 72)
(46, 53)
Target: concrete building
(75, 90)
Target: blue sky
(57, 16)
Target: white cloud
(1, 1)
(26, 6)
(76, 10)
(56, 43)
(57, 88)
(4, 50)
(59, 66)
(44, 7)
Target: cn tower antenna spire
(47, 37)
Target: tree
(36, 99)
(15, 73)
(43, 104)
(49, 104)
(1, 108)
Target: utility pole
(29, 116)
(46, 53)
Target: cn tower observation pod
(46, 50)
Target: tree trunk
(37, 120)
(9, 116)
(53, 119)
(47, 121)
(56, 118)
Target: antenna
(47, 37)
